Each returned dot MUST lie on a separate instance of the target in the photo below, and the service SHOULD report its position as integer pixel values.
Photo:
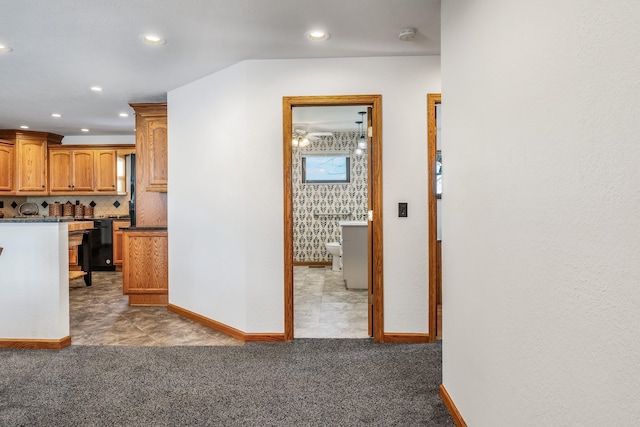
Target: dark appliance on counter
(102, 245)
(132, 188)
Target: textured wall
(312, 227)
(541, 279)
(228, 263)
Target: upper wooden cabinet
(6, 166)
(30, 150)
(151, 145)
(71, 170)
(151, 164)
(84, 169)
(105, 170)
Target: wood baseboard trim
(36, 344)
(406, 338)
(308, 263)
(264, 337)
(148, 299)
(225, 329)
(451, 407)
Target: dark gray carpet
(309, 382)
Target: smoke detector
(407, 34)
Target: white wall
(34, 280)
(225, 150)
(541, 276)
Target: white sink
(351, 223)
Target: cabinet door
(31, 157)
(6, 167)
(105, 170)
(82, 170)
(60, 164)
(117, 241)
(157, 132)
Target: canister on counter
(55, 209)
(88, 211)
(67, 209)
(79, 211)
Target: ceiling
(60, 49)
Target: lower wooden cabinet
(145, 273)
(117, 242)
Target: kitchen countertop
(146, 228)
(38, 219)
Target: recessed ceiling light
(153, 39)
(124, 115)
(96, 88)
(5, 49)
(56, 115)
(24, 127)
(84, 130)
(317, 35)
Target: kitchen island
(34, 281)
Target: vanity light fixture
(5, 48)
(24, 127)
(362, 140)
(153, 39)
(96, 88)
(317, 35)
(84, 130)
(124, 115)
(56, 115)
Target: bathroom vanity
(354, 254)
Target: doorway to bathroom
(332, 188)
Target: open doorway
(434, 184)
(372, 219)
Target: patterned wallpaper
(317, 208)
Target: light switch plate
(403, 210)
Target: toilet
(335, 249)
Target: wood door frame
(375, 177)
(432, 100)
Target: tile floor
(324, 308)
(100, 314)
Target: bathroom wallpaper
(317, 208)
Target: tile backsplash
(103, 205)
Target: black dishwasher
(102, 245)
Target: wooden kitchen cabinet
(118, 241)
(145, 273)
(6, 166)
(71, 171)
(32, 171)
(151, 164)
(151, 145)
(105, 170)
(30, 149)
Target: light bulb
(304, 142)
(358, 151)
(294, 141)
